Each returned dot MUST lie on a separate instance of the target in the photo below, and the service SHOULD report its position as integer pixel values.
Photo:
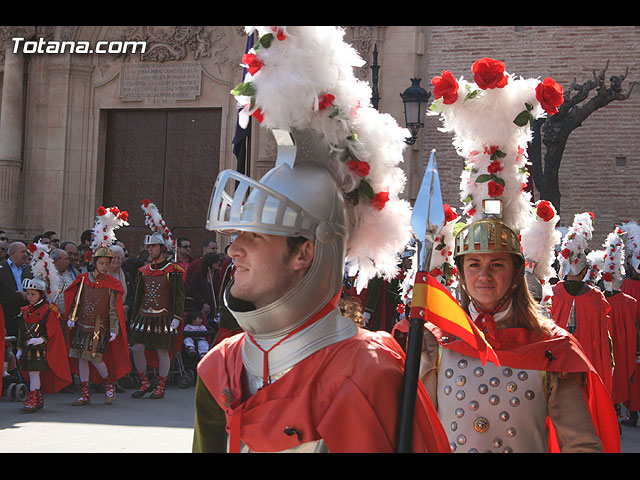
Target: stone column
(11, 121)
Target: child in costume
(41, 348)
(96, 316)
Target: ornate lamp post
(415, 100)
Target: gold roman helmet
(103, 251)
(489, 235)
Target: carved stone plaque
(161, 82)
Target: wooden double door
(170, 157)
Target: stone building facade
(80, 130)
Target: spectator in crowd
(74, 258)
(84, 258)
(41, 238)
(4, 246)
(184, 253)
(53, 238)
(86, 237)
(116, 269)
(209, 245)
(60, 260)
(202, 287)
(12, 296)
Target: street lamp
(415, 100)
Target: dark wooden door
(170, 157)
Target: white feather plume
(108, 220)
(153, 219)
(631, 238)
(303, 79)
(43, 269)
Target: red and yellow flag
(433, 302)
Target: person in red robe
(631, 287)
(592, 321)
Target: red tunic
(624, 311)
(632, 288)
(559, 352)
(58, 375)
(593, 324)
(346, 394)
(117, 356)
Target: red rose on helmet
(32, 247)
(379, 200)
(445, 86)
(325, 101)
(101, 211)
(358, 167)
(124, 216)
(565, 253)
(495, 166)
(146, 202)
(549, 94)
(449, 214)
(495, 189)
(607, 277)
(545, 211)
(489, 73)
(253, 63)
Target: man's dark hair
(293, 243)
(182, 239)
(207, 241)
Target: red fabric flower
(565, 253)
(449, 214)
(258, 115)
(358, 167)
(549, 94)
(101, 211)
(545, 210)
(445, 86)
(490, 150)
(146, 202)
(32, 247)
(252, 62)
(400, 308)
(279, 31)
(325, 101)
(380, 199)
(124, 216)
(591, 215)
(489, 73)
(495, 189)
(436, 272)
(495, 167)
(607, 277)
(471, 212)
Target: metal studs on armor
(453, 426)
(494, 381)
(448, 373)
(463, 363)
(483, 389)
(461, 439)
(514, 402)
(529, 395)
(460, 395)
(511, 387)
(504, 416)
(494, 399)
(447, 389)
(481, 425)
(461, 380)
(474, 405)
(478, 371)
(507, 372)
(522, 376)
(511, 432)
(459, 412)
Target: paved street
(127, 426)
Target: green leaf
(457, 227)
(484, 178)
(266, 40)
(523, 118)
(365, 190)
(245, 89)
(471, 95)
(498, 180)
(468, 199)
(498, 154)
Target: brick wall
(589, 178)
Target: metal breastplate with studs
(486, 408)
(156, 309)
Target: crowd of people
(77, 268)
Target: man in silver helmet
(301, 377)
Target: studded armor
(492, 406)
(156, 308)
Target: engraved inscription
(161, 82)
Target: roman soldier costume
(579, 307)
(40, 342)
(631, 286)
(96, 315)
(542, 395)
(159, 304)
(302, 377)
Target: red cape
(632, 287)
(346, 394)
(624, 311)
(594, 324)
(559, 352)
(117, 357)
(59, 374)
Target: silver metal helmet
(298, 197)
(34, 284)
(154, 239)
